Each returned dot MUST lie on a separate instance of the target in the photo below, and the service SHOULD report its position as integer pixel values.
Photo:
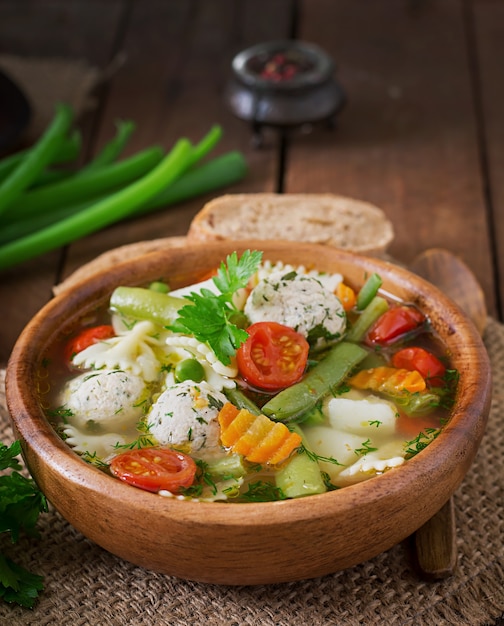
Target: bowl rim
(40, 438)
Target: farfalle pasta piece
(132, 351)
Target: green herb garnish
(210, 320)
(21, 502)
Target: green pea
(189, 369)
(159, 285)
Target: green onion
(112, 150)
(219, 172)
(85, 186)
(38, 158)
(104, 212)
(68, 151)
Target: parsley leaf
(21, 502)
(209, 316)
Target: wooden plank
(407, 140)
(58, 29)
(489, 35)
(178, 57)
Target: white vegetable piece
(185, 415)
(107, 400)
(132, 351)
(300, 302)
(332, 444)
(368, 416)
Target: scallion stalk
(38, 157)
(219, 172)
(102, 213)
(85, 186)
(113, 149)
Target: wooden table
(422, 135)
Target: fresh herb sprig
(211, 319)
(21, 503)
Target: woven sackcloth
(86, 586)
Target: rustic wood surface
(421, 136)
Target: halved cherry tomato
(273, 357)
(394, 323)
(419, 359)
(86, 338)
(154, 469)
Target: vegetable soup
(261, 382)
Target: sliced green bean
(301, 475)
(38, 157)
(241, 401)
(146, 304)
(294, 402)
(375, 309)
(368, 291)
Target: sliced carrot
(346, 295)
(258, 438)
(270, 444)
(227, 414)
(241, 423)
(390, 380)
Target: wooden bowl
(241, 544)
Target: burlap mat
(46, 81)
(87, 586)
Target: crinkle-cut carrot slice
(227, 414)
(258, 438)
(236, 428)
(388, 380)
(292, 442)
(273, 440)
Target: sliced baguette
(318, 218)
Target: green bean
(38, 157)
(368, 291)
(294, 402)
(146, 304)
(416, 404)
(375, 309)
(117, 206)
(84, 186)
(301, 475)
(240, 400)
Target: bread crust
(328, 219)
